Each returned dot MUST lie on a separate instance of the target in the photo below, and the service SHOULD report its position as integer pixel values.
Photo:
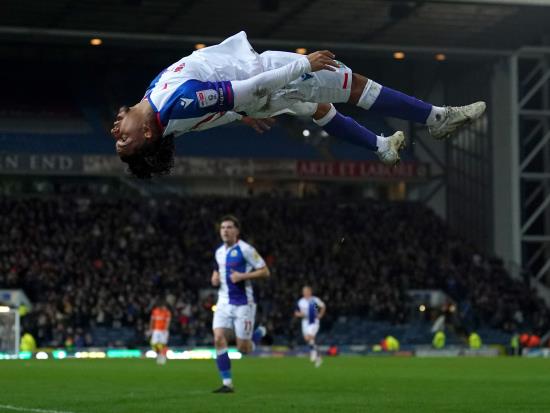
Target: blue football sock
(257, 336)
(224, 364)
(388, 102)
(345, 128)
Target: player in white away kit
(230, 81)
(237, 263)
(310, 309)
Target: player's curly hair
(153, 159)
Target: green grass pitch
(342, 384)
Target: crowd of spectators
(89, 263)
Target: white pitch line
(28, 409)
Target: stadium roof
(483, 25)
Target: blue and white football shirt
(195, 93)
(310, 307)
(241, 257)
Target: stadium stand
(93, 267)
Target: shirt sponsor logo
(207, 97)
(185, 102)
(221, 96)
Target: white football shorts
(159, 337)
(310, 329)
(239, 318)
(323, 86)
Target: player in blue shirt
(310, 309)
(230, 81)
(237, 264)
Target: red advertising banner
(361, 169)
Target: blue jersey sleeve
(194, 99)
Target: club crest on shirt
(234, 253)
(207, 97)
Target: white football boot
(389, 153)
(318, 362)
(161, 360)
(313, 356)
(455, 117)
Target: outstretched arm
(224, 119)
(259, 125)
(249, 90)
